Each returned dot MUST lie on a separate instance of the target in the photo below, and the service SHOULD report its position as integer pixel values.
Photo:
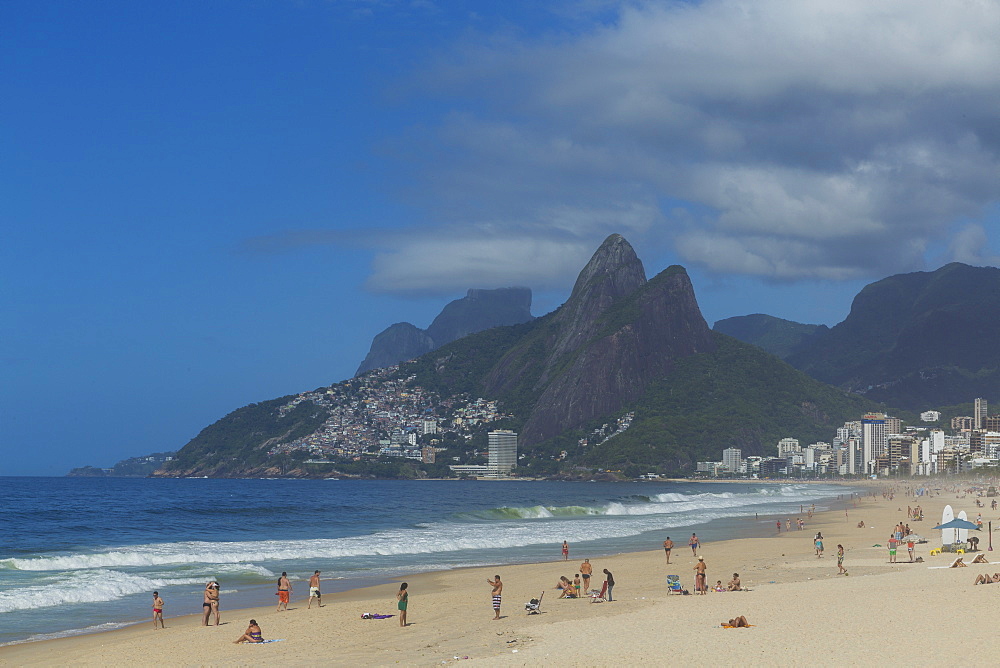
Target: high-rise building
(430, 426)
(502, 455)
(873, 440)
(732, 459)
(979, 413)
(788, 446)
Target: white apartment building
(502, 455)
(788, 447)
(732, 460)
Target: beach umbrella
(958, 524)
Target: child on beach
(840, 560)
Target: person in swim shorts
(497, 594)
(157, 610)
(668, 547)
(586, 569)
(314, 591)
(284, 591)
(211, 603)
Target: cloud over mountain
(806, 140)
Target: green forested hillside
(738, 396)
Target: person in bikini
(252, 634)
(157, 610)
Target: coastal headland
(801, 610)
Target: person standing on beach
(700, 578)
(909, 548)
(497, 594)
(779, 525)
(565, 551)
(402, 598)
(284, 591)
(210, 604)
(610, 579)
(819, 544)
(840, 560)
(668, 547)
(586, 569)
(695, 544)
(893, 543)
(314, 591)
(157, 610)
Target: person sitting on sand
(737, 623)
(567, 588)
(984, 579)
(252, 634)
(861, 524)
(958, 563)
(734, 584)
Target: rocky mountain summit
(602, 348)
(913, 341)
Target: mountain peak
(616, 268)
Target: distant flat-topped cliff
(478, 310)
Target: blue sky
(207, 204)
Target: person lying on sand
(984, 579)
(738, 623)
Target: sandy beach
(801, 610)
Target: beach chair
(674, 584)
(599, 596)
(534, 606)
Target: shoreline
(251, 596)
(450, 612)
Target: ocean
(79, 555)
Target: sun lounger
(599, 596)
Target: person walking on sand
(402, 597)
(565, 551)
(314, 591)
(909, 548)
(893, 543)
(497, 594)
(610, 579)
(668, 547)
(779, 525)
(586, 569)
(700, 578)
(840, 560)
(157, 610)
(284, 591)
(818, 543)
(695, 544)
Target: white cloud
(801, 135)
